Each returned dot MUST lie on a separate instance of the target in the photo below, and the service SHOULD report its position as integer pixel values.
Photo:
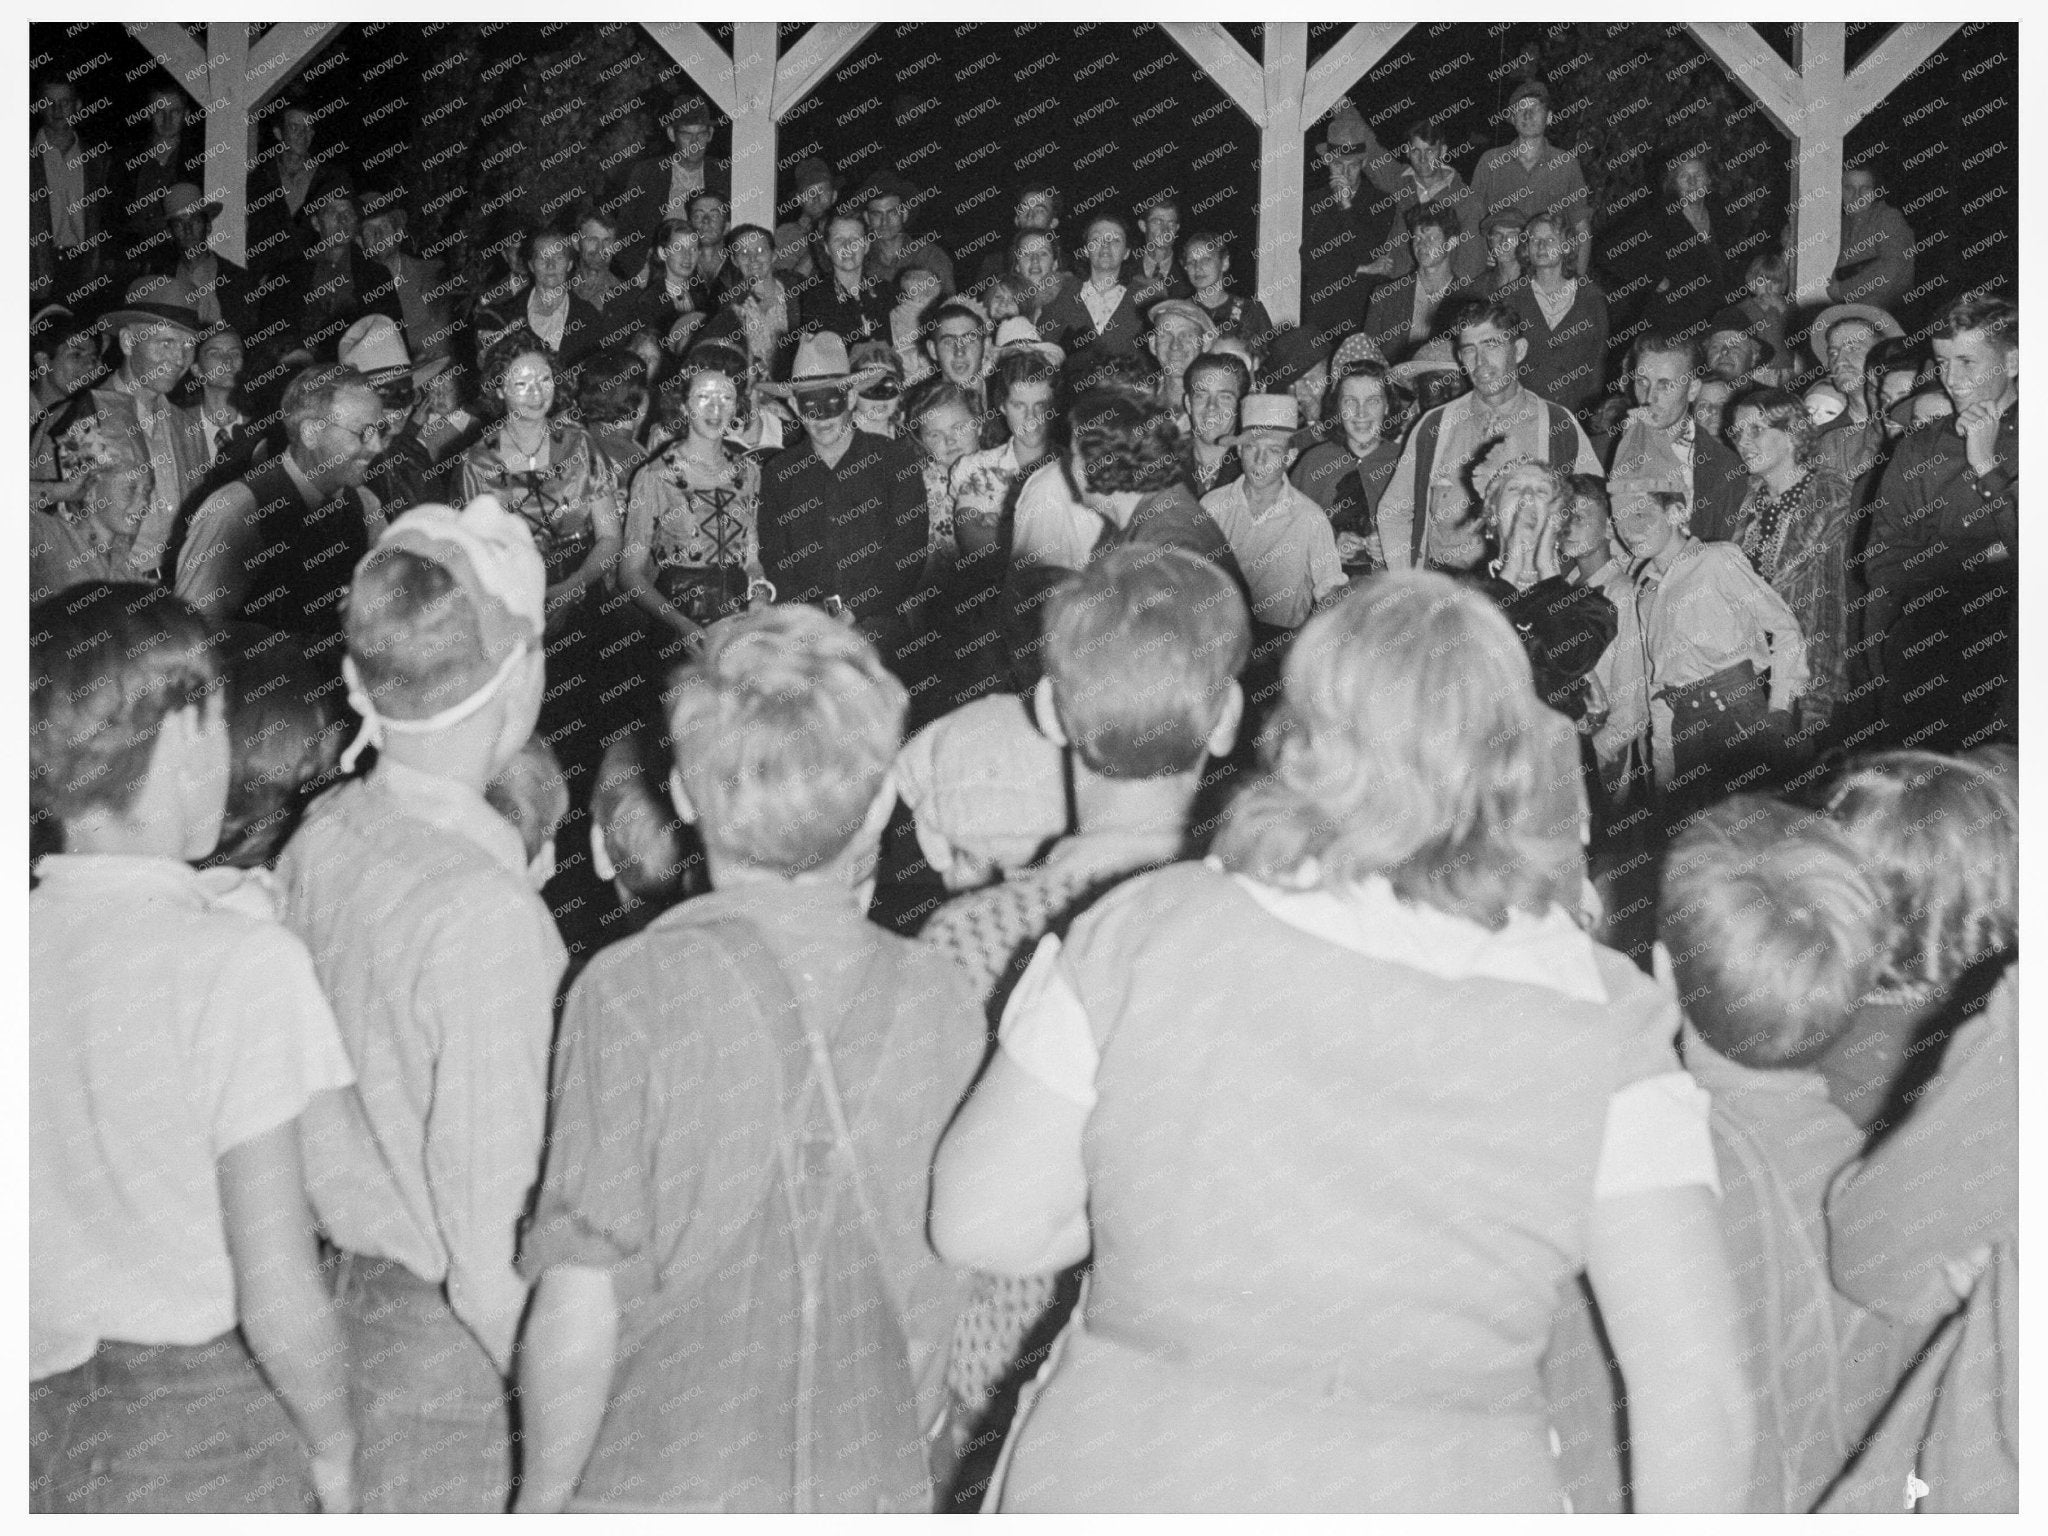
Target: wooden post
(1818, 50)
(753, 123)
(1281, 170)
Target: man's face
(1504, 245)
(826, 416)
(1427, 242)
(1107, 247)
(1975, 369)
(708, 217)
(847, 242)
(1664, 388)
(1207, 264)
(1424, 157)
(1731, 355)
(1212, 404)
(917, 287)
(1546, 245)
(1034, 211)
(1345, 168)
(1162, 226)
(1849, 344)
(1644, 528)
(1586, 532)
(60, 104)
(1859, 190)
(755, 257)
(219, 361)
(551, 264)
(1529, 116)
(336, 221)
(295, 130)
(351, 436)
(75, 365)
(380, 235)
(1490, 357)
(814, 198)
(191, 230)
(885, 217)
(595, 242)
(1176, 342)
(1035, 260)
(680, 254)
(158, 355)
(1028, 410)
(1896, 384)
(167, 114)
(691, 140)
(1264, 456)
(958, 344)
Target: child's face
(918, 287)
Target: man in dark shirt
(1126, 464)
(843, 523)
(1343, 230)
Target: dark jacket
(1568, 364)
(98, 213)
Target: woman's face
(1206, 265)
(1035, 260)
(76, 364)
(528, 388)
(1504, 245)
(711, 405)
(1106, 248)
(1762, 445)
(918, 286)
(1546, 248)
(679, 256)
(1362, 406)
(1689, 179)
(1002, 302)
(1028, 411)
(755, 258)
(553, 260)
(1524, 506)
(877, 416)
(948, 433)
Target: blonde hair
(783, 733)
(1410, 743)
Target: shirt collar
(453, 808)
(120, 876)
(1551, 951)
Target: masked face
(528, 388)
(711, 405)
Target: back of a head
(1127, 440)
(611, 388)
(1142, 648)
(630, 808)
(784, 731)
(285, 730)
(531, 793)
(1940, 835)
(109, 662)
(1775, 931)
(413, 635)
(1410, 743)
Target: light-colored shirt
(1711, 611)
(682, 181)
(548, 327)
(1555, 306)
(1624, 667)
(1656, 1130)
(1101, 303)
(441, 963)
(981, 483)
(65, 173)
(164, 1030)
(177, 454)
(1053, 527)
(1468, 432)
(1287, 552)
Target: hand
(1549, 534)
(1351, 547)
(1978, 428)
(1383, 267)
(334, 1482)
(1962, 1273)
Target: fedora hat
(375, 347)
(821, 363)
(183, 197)
(812, 171)
(1347, 137)
(138, 308)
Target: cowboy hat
(375, 348)
(821, 364)
(139, 309)
(1835, 314)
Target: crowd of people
(763, 878)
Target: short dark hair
(1014, 368)
(1997, 318)
(1221, 362)
(668, 229)
(1504, 316)
(284, 719)
(1441, 217)
(530, 241)
(109, 662)
(1664, 344)
(1047, 190)
(1775, 931)
(611, 386)
(690, 203)
(1128, 441)
(412, 634)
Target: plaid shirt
(1804, 559)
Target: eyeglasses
(363, 435)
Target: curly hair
(1410, 744)
(1941, 835)
(1785, 411)
(507, 349)
(1127, 440)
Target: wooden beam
(1755, 66)
(1350, 58)
(1817, 162)
(753, 123)
(284, 51)
(1885, 68)
(1283, 119)
(178, 52)
(701, 58)
(817, 53)
(227, 137)
(1219, 56)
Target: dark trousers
(1722, 742)
(167, 1429)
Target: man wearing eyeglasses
(278, 546)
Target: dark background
(487, 144)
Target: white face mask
(371, 733)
